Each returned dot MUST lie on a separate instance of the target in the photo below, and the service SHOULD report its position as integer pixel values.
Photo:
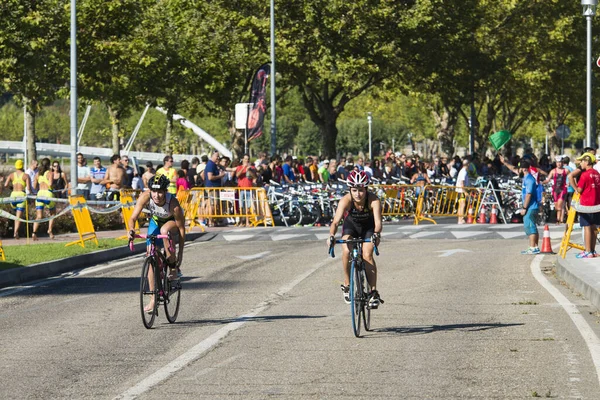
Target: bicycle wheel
(366, 310)
(146, 294)
(356, 302)
(172, 298)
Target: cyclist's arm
(376, 207)
(139, 206)
(180, 221)
(339, 214)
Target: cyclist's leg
(153, 229)
(167, 227)
(348, 231)
(346, 260)
(367, 253)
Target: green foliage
(416, 65)
(23, 255)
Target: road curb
(577, 281)
(16, 276)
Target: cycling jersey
(359, 223)
(161, 214)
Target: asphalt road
(265, 319)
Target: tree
(108, 72)
(33, 55)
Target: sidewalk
(583, 275)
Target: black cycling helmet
(158, 182)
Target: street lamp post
(73, 84)
(273, 111)
(370, 120)
(589, 10)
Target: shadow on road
(420, 330)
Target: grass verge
(23, 255)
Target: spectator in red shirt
(589, 188)
(244, 181)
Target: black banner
(256, 115)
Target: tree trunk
(168, 147)
(329, 133)
(30, 124)
(115, 121)
(445, 126)
(237, 139)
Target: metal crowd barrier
(230, 202)
(445, 201)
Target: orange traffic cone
(546, 245)
(481, 219)
(470, 216)
(494, 215)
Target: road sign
(598, 62)
(563, 131)
(241, 115)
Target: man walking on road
(589, 188)
(530, 207)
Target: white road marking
(462, 235)
(198, 350)
(322, 236)
(410, 227)
(463, 226)
(424, 234)
(447, 253)
(590, 338)
(505, 226)
(510, 235)
(276, 238)
(231, 238)
(254, 256)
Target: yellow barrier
(445, 201)
(397, 200)
(566, 244)
(195, 201)
(127, 206)
(232, 202)
(83, 221)
(2, 255)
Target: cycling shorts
(358, 231)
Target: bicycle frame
(359, 285)
(159, 288)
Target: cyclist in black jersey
(361, 212)
(166, 216)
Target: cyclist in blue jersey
(361, 212)
(166, 216)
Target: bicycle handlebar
(136, 236)
(350, 241)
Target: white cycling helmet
(358, 179)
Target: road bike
(359, 285)
(165, 291)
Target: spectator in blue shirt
(288, 171)
(212, 173)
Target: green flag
(500, 138)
